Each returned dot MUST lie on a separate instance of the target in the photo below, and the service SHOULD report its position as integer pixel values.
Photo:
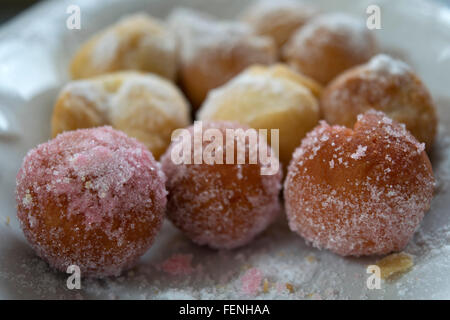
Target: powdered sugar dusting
(135, 42)
(383, 84)
(241, 85)
(198, 31)
(222, 206)
(105, 50)
(285, 17)
(144, 106)
(383, 63)
(351, 28)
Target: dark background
(10, 8)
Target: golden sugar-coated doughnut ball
(212, 51)
(273, 97)
(94, 198)
(359, 191)
(136, 42)
(278, 19)
(222, 205)
(383, 84)
(329, 44)
(144, 106)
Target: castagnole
(144, 106)
(93, 198)
(359, 191)
(136, 42)
(329, 44)
(223, 205)
(273, 97)
(278, 19)
(213, 51)
(384, 84)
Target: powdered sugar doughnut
(359, 192)
(220, 205)
(94, 198)
(272, 97)
(136, 42)
(278, 19)
(212, 51)
(144, 106)
(328, 45)
(383, 84)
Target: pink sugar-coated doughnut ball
(224, 205)
(94, 198)
(359, 191)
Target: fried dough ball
(221, 205)
(272, 97)
(212, 51)
(137, 42)
(144, 106)
(359, 191)
(94, 198)
(328, 45)
(383, 84)
(278, 19)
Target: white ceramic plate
(35, 49)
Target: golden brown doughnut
(144, 106)
(212, 51)
(278, 19)
(359, 191)
(383, 84)
(329, 44)
(273, 97)
(136, 42)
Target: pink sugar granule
(178, 264)
(92, 197)
(251, 281)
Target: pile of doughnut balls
(354, 125)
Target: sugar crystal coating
(221, 205)
(359, 192)
(94, 198)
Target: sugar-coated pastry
(136, 42)
(144, 106)
(221, 205)
(278, 19)
(212, 51)
(359, 191)
(93, 198)
(273, 97)
(383, 84)
(329, 44)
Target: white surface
(34, 53)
